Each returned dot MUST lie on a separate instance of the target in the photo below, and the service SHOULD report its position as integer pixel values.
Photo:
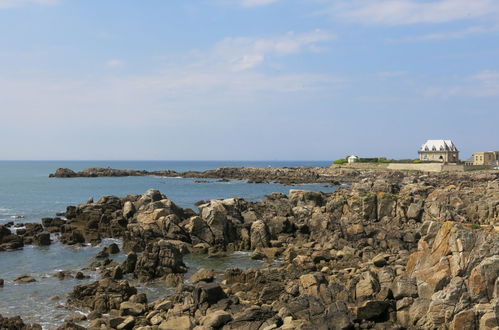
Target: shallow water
(26, 191)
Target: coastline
(354, 250)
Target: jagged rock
(260, 236)
(159, 259)
(101, 296)
(202, 275)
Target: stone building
(486, 158)
(444, 151)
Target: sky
(246, 79)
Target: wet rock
(113, 248)
(25, 279)
(16, 323)
(1, 282)
(42, 239)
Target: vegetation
(377, 160)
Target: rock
(260, 236)
(367, 286)
(42, 239)
(127, 323)
(113, 248)
(372, 310)
(404, 287)
(216, 319)
(25, 279)
(464, 320)
(74, 318)
(177, 323)
(101, 296)
(489, 321)
(133, 309)
(16, 323)
(1, 282)
(380, 260)
(80, 276)
(202, 275)
(159, 259)
(209, 293)
(128, 210)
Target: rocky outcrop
(101, 296)
(16, 323)
(159, 259)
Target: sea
(27, 194)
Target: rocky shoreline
(286, 175)
(392, 251)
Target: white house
(352, 159)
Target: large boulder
(159, 259)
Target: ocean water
(27, 194)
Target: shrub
(340, 161)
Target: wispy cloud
(449, 35)
(244, 53)
(404, 12)
(4, 4)
(484, 84)
(256, 3)
(115, 63)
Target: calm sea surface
(27, 191)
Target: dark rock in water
(102, 254)
(42, 239)
(90, 200)
(113, 248)
(129, 264)
(63, 274)
(80, 276)
(16, 323)
(1, 282)
(25, 279)
(63, 173)
(9, 241)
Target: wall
(432, 167)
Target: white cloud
(484, 84)
(4, 4)
(448, 35)
(403, 12)
(255, 3)
(115, 63)
(244, 53)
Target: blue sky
(246, 79)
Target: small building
(444, 151)
(352, 159)
(486, 158)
